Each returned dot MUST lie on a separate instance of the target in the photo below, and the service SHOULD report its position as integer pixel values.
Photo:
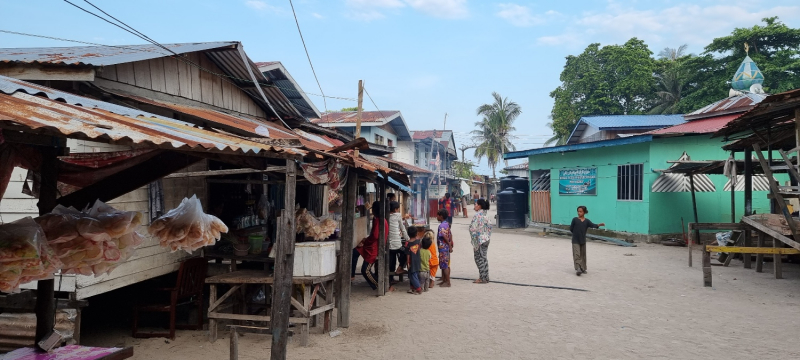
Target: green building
(611, 164)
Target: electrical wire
(325, 102)
(373, 103)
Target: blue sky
(423, 57)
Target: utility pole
(358, 115)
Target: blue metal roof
(398, 184)
(582, 146)
(624, 122)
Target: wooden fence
(540, 206)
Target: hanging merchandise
(187, 227)
(329, 172)
(318, 229)
(93, 241)
(25, 255)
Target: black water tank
(521, 184)
(510, 210)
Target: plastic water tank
(510, 211)
(521, 184)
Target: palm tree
(671, 82)
(493, 134)
(556, 140)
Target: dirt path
(641, 302)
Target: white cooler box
(315, 258)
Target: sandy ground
(642, 302)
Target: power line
(325, 102)
(181, 58)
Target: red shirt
(369, 251)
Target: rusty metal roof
(102, 55)
(730, 105)
(277, 73)
(32, 107)
(702, 126)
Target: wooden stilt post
(381, 187)
(385, 265)
(777, 262)
(347, 229)
(284, 267)
(759, 257)
(696, 221)
(45, 289)
(748, 202)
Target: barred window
(629, 182)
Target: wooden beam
(752, 250)
(129, 179)
(220, 172)
(358, 143)
(45, 289)
(706, 267)
(48, 72)
(771, 232)
(775, 192)
(346, 249)
(694, 208)
(381, 259)
(284, 268)
(759, 257)
(715, 226)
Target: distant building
(382, 128)
(520, 170)
(612, 164)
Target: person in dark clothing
(412, 250)
(368, 248)
(578, 227)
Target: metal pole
(358, 114)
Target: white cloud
(373, 9)
(695, 25)
(449, 9)
(318, 16)
(261, 6)
(519, 15)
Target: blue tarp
(401, 186)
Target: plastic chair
(188, 289)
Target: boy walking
(425, 260)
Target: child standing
(578, 227)
(444, 241)
(434, 263)
(414, 262)
(397, 235)
(425, 261)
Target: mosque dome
(747, 76)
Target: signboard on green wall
(580, 181)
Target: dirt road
(641, 302)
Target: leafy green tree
(464, 170)
(493, 134)
(614, 79)
(350, 109)
(774, 47)
(672, 78)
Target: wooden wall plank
(171, 76)
(185, 79)
(236, 98)
(227, 94)
(206, 81)
(194, 58)
(106, 286)
(125, 73)
(217, 91)
(141, 72)
(108, 72)
(157, 80)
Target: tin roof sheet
(102, 55)
(702, 126)
(733, 104)
(623, 122)
(349, 117)
(33, 107)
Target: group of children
(422, 253)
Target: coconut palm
(493, 134)
(556, 140)
(670, 82)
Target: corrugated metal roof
(734, 104)
(581, 146)
(349, 117)
(226, 56)
(623, 122)
(57, 112)
(102, 55)
(773, 110)
(277, 73)
(436, 134)
(702, 126)
(523, 166)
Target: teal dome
(747, 75)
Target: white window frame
(630, 187)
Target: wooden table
(71, 352)
(262, 258)
(312, 303)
